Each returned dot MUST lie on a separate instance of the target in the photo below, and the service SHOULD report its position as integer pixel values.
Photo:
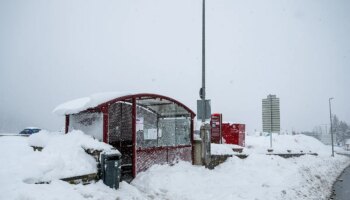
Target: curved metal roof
(105, 99)
(148, 97)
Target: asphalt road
(342, 186)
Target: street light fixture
(330, 117)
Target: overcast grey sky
(52, 51)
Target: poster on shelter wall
(150, 134)
(139, 124)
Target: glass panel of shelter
(146, 127)
(183, 130)
(91, 123)
(161, 123)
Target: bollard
(206, 141)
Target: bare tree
(341, 130)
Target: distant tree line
(341, 130)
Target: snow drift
(257, 177)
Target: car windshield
(30, 131)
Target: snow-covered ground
(257, 177)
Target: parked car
(30, 130)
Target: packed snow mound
(43, 137)
(284, 143)
(74, 138)
(224, 149)
(78, 105)
(63, 155)
(280, 144)
(256, 177)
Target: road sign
(271, 114)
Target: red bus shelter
(146, 128)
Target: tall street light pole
(203, 105)
(330, 117)
(203, 63)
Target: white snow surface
(347, 141)
(224, 149)
(78, 105)
(282, 143)
(75, 138)
(257, 177)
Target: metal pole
(203, 63)
(330, 117)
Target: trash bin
(110, 169)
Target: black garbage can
(110, 169)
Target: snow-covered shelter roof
(101, 99)
(78, 105)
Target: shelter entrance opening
(120, 134)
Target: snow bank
(75, 138)
(341, 150)
(256, 177)
(224, 149)
(280, 144)
(283, 143)
(41, 138)
(84, 103)
(63, 156)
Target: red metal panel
(146, 158)
(241, 140)
(176, 154)
(192, 139)
(162, 155)
(234, 133)
(216, 128)
(226, 133)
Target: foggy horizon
(55, 51)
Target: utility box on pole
(206, 108)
